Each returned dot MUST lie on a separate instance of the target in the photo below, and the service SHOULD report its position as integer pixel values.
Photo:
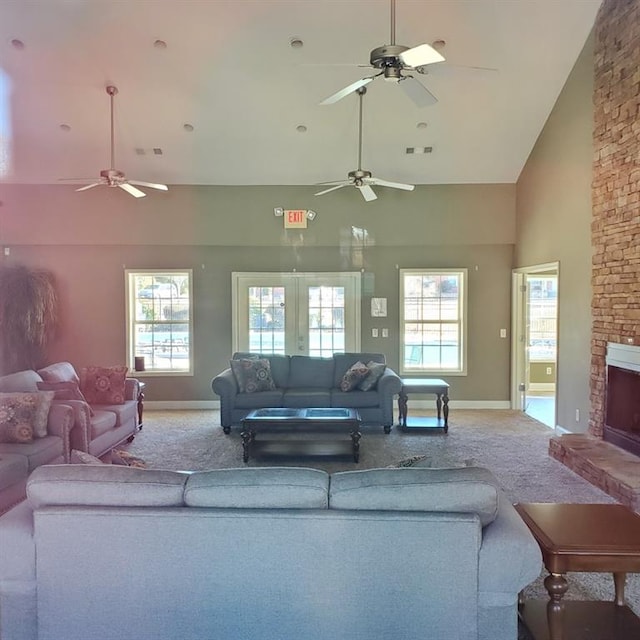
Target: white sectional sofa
(275, 553)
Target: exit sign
(295, 218)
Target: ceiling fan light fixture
(421, 55)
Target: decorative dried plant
(28, 317)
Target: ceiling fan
(360, 178)
(392, 60)
(112, 177)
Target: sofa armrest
(131, 389)
(80, 423)
(389, 383)
(507, 537)
(60, 423)
(225, 384)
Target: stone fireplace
(611, 460)
(622, 398)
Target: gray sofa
(114, 552)
(97, 428)
(304, 381)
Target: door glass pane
(266, 319)
(326, 320)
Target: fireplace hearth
(622, 408)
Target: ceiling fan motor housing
(387, 56)
(358, 175)
(113, 177)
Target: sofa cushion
(415, 489)
(370, 382)
(13, 469)
(105, 485)
(310, 372)
(17, 417)
(101, 422)
(125, 413)
(307, 397)
(258, 488)
(59, 372)
(252, 374)
(49, 449)
(343, 361)
(103, 385)
(354, 399)
(64, 390)
(26, 381)
(259, 400)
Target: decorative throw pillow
(41, 419)
(354, 376)
(64, 391)
(17, 414)
(82, 457)
(103, 385)
(253, 374)
(376, 369)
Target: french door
(315, 314)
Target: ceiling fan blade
(136, 193)
(347, 90)
(394, 185)
(420, 95)
(447, 69)
(89, 186)
(367, 192)
(342, 184)
(152, 185)
(420, 55)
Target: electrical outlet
(503, 333)
(385, 333)
(548, 371)
(374, 333)
(7, 251)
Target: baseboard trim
(167, 405)
(162, 405)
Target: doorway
(535, 338)
(314, 314)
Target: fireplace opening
(622, 415)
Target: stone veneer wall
(616, 190)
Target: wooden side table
(424, 385)
(589, 538)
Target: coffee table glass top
(314, 413)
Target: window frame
(131, 322)
(461, 322)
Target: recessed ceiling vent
(418, 150)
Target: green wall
(88, 239)
(554, 224)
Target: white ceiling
(229, 70)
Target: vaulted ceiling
(227, 69)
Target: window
(543, 312)
(432, 317)
(159, 320)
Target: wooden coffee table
(587, 538)
(324, 420)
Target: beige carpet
(509, 443)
